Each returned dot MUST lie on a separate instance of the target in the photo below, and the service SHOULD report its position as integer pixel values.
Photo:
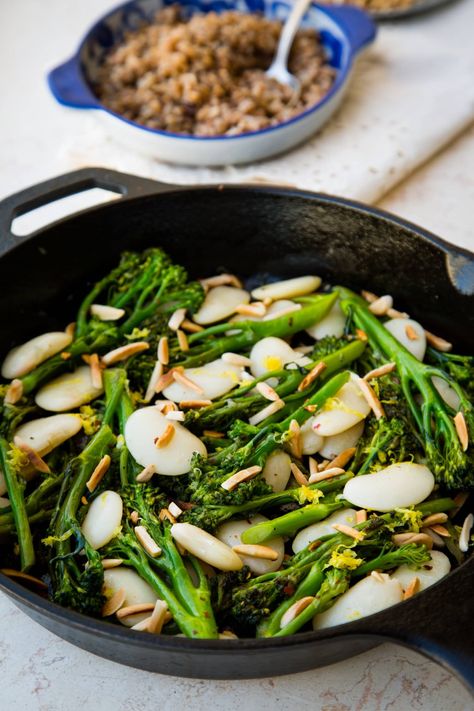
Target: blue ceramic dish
(344, 31)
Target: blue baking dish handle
(359, 28)
(68, 86)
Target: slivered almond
(163, 352)
(191, 404)
(187, 382)
(378, 372)
(176, 319)
(461, 429)
(175, 415)
(283, 312)
(213, 434)
(146, 473)
(124, 352)
(236, 359)
(14, 392)
(412, 589)
(313, 466)
(142, 626)
(437, 540)
(401, 539)
(267, 411)
(325, 474)
(256, 308)
(165, 514)
(380, 306)
(108, 563)
(65, 355)
(295, 610)
(156, 374)
(361, 335)
(361, 516)
(221, 280)
(435, 518)
(158, 617)
(378, 576)
(440, 530)
(312, 375)
(267, 392)
(190, 326)
(323, 465)
(169, 407)
(369, 296)
(371, 398)
(147, 542)
(70, 329)
(135, 609)
(349, 531)
(394, 313)
(256, 551)
(243, 475)
(311, 408)
(182, 340)
(84, 501)
(114, 603)
(165, 437)
(134, 516)
(294, 443)
(33, 457)
(98, 473)
(342, 459)
(411, 333)
(300, 478)
(106, 313)
(437, 342)
(12, 573)
(174, 509)
(165, 380)
(96, 371)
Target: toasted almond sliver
(412, 589)
(394, 313)
(312, 375)
(295, 443)
(174, 509)
(108, 563)
(378, 576)
(33, 457)
(411, 333)
(190, 326)
(361, 335)
(168, 407)
(437, 540)
(267, 392)
(465, 533)
(166, 436)
(236, 359)
(65, 355)
(165, 380)
(267, 411)
(435, 518)
(243, 475)
(348, 531)
(378, 372)
(187, 382)
(326, 474)
(342, 459)
(311, 408)
(96, 371)
(106, 313)
(191, 404)
(146, 473)
(142, 626)
(98, 473)
(284, 312)
(227, 634)
(256, 308)
(422, 538)
(300, 478)
(461, 429)
(84, 501)
(114, 604)
(401, 538)
(221, 280)
(14, 392)
(166, 515)
(213, 434)
(175, 415)
(158, 617)
(313, 466)
(361, 516)
(134, 516)
(441, 530)
(124, 352)
(156, 374)
(163, 352)
(256, 551)
(147, 542)
(135, 609)
(295, 610)
(12, 573)
(380, 306)
(371, 398)
(70, 329)
(182, 340)
(437, 342)
(369, 296)
(176, 319)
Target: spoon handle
(289, 30)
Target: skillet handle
(63, 186)
(437, 623)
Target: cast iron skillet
(246, 229)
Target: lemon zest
(344, 558)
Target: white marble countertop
(39, 671)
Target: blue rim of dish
(341, 78)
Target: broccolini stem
(15, 494)
(409, 554)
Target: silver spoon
(278, 69)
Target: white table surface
(40, 672)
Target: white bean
(343, 411)
(366, 597)
(322, 528)
(276, 308)
(68, 391)
(103, 519)
(331, 325)
(47, 433)
(220, 303)
(448, 394)
(428, 574)
(334, 445)
(396, 486)
(206, 547)
(230, 533)
(287, 289)
(137, 592)
(311, 442)
(273, 354)
(277, 470)
(401, 327)
(144, 426)
(24, 358)
(215, 379)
